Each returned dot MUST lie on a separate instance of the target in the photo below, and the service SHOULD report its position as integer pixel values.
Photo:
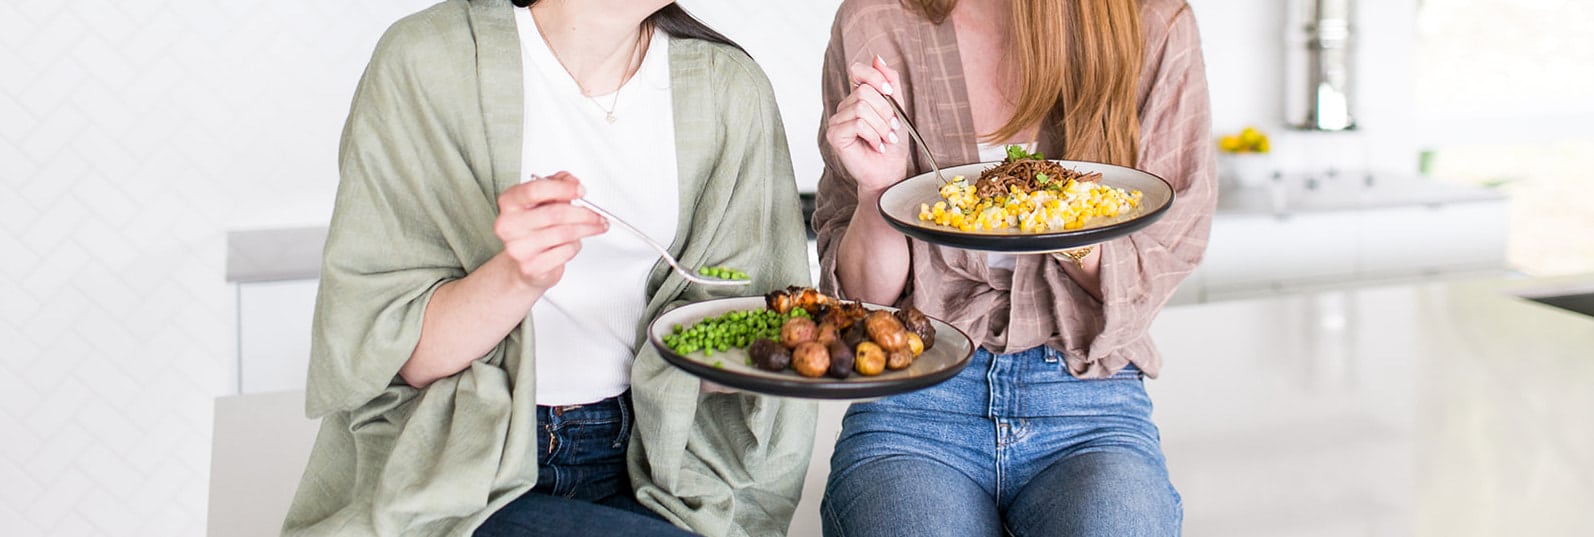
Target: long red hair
(1078, 69)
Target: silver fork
(674, 263)
(903, 116)
(665, 253)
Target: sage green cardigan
(433, 136)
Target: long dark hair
(676, 22)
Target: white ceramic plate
(900, 205)
(943, 360)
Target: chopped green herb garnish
(1017, 152)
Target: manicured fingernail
(879, 59)
(885, 88)
(880, 148)
(895, 124)
(892, 137)
(581, 190)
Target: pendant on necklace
(610, 117)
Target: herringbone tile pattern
(132, 135)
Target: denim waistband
(1032, 358)
(1054, 356)
(616, 404)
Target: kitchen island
(1434, 409)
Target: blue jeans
(582, 485)
(1013, 445)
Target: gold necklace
(630, 69)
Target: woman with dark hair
(1048, 431)
(478, 356)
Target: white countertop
(1439, 409)
(278, 254)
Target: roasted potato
(870, 359)
(797, 331)
(841, 359)
(886, 331)
(811, 359)
(916, 322)
(899, 359)
(769, 356)
(915, 345)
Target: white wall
(1244, 44)
(133, 135)
(788, 40)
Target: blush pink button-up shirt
(1036, 303)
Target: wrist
(511, 281)
(870, 193)
(867, 211)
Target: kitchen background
(135, 136)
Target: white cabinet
(1257, 254)
(1432, 239)
(274, 321)
(1267, 250)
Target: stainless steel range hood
(1319, 65)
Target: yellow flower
(1248, 140)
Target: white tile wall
(132, 135)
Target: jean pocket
(625, 422)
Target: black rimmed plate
(900, 207)
(942, 361)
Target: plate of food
(798, 342)
(1026, 204)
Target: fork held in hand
(665, 253)
(908, 124)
